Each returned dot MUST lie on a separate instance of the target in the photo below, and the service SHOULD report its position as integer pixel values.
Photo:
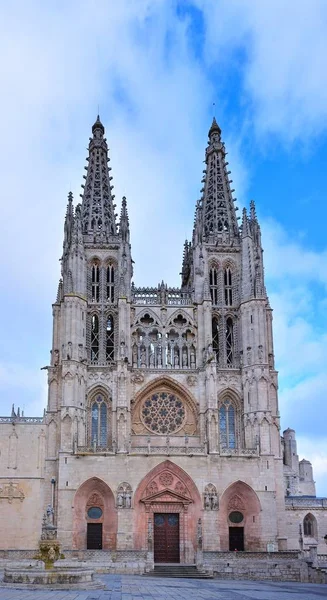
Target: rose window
(163, 413)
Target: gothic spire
(216, 221)
(98, 209)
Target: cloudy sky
(158, 70)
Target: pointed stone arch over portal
(94, 517)
(167, 509)
(239, 522)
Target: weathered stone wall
(22, 447)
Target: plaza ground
(128, 587)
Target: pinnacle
(214, 127)
(98, 125)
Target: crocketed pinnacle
(216, 221)
(124, 221)
(69, 223)
(98, 209)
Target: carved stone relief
(11, 491)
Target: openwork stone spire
(98, 209)
(216, 221)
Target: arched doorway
(239, 519)
(167, 508)
(95, 516)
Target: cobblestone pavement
(132, 587)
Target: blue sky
(155, 68)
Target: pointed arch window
(94, 339)
(215, 337)
(99, 422)
(110, 283)
(110, 339)
(95, 275)
(309, 526)
(227, 424)
(213, 281)
(228, 286)
(229, 341)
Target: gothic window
(227, 424)
(99, 422)
(213, 279)
(95, 283)
(228, 287)
(229, 341)
(309, 526)
(94, 338)
(110, 283)
(215, 337)
(110, 339)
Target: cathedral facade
(162, 430)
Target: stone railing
(18, 419)
(309, 501)
(169, 450)
(239, 452)
(161, 295)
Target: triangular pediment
(166, 495)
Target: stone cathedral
(161, 434)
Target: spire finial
(214, 128)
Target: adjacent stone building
(162, 427)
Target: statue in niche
(134, 352)
(143, 357)
(176, 358)
(184, 357)
(122, 345)
(159, 356)
(152, 359)
(124, 496)
(69, 351)
(207, 503)
(192, 358)
(56, 357)
(210, 497)
(260, 353)
(199, 533)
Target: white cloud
(314, 450)
(284, 48)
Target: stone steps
(178, 570)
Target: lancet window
(213, 281)
(215, 337)
(309, 526)
(229, 341)
(94, 339)
(227, 424)
(99, 421)
(110, 283)
(110, 339)
(95, 276)
(228, 286)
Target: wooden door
(166, 537)
(236, 538)
(94, 536)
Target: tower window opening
(227, 425)
(94, 338)
(213, 280)
(95, 283)
(110, 339)
(228, 287)
(229, 341)
(110, 283)
(215, 337)
(99, 422)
